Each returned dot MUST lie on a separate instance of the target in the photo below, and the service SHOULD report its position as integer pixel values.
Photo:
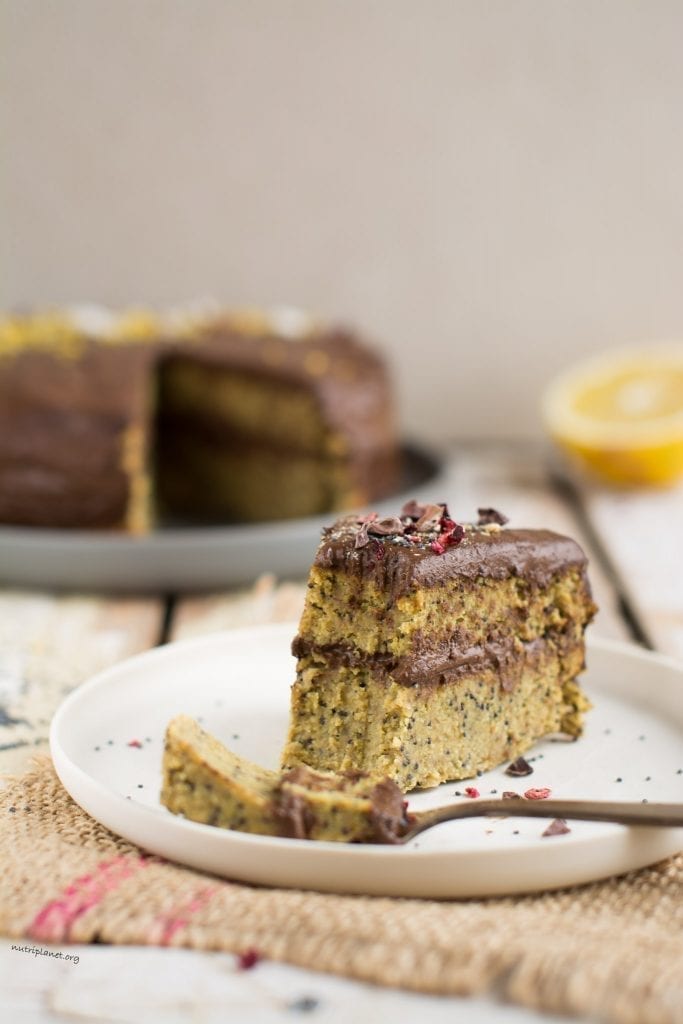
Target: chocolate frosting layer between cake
(446, 664)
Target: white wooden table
(50, 643)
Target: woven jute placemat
(612, 950)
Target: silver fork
(670, 815)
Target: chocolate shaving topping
(430, 518)
(491, 515)
(508, 794)
(519, 768)
(362, 538)
(412, 510)
(364, 525)
(386, 527)
(558, 827)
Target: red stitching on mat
(54, 922)
(167, 925)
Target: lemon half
(620, 415)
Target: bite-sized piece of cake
(206, 782)
(348, 806)
(429, 650)
(104, 419)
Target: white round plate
(182, 557)
(107, 740)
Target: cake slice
(429, 651)
(206, 782)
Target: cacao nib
(412, 510)
(518, 768)
(491, 515)
(363, 524)
(558, 827)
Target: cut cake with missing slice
(109, 421)
(429, 651)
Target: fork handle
(577, 810)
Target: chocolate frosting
(347, 378)
(398, 565)
(61, 428)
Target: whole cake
(430, 651)
(106, 421)
(206, 782)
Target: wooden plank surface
(130, 985)
(48, 645)
(642, 535)
(266, 601)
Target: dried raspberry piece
(248, 959)
(452, 534)
(472, 792)
(538, 794)
(135, 743)
(448, 538)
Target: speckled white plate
(106, 741)
(182, 556)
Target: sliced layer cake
(430, 651)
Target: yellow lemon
(621, 414)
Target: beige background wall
(490, 188)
